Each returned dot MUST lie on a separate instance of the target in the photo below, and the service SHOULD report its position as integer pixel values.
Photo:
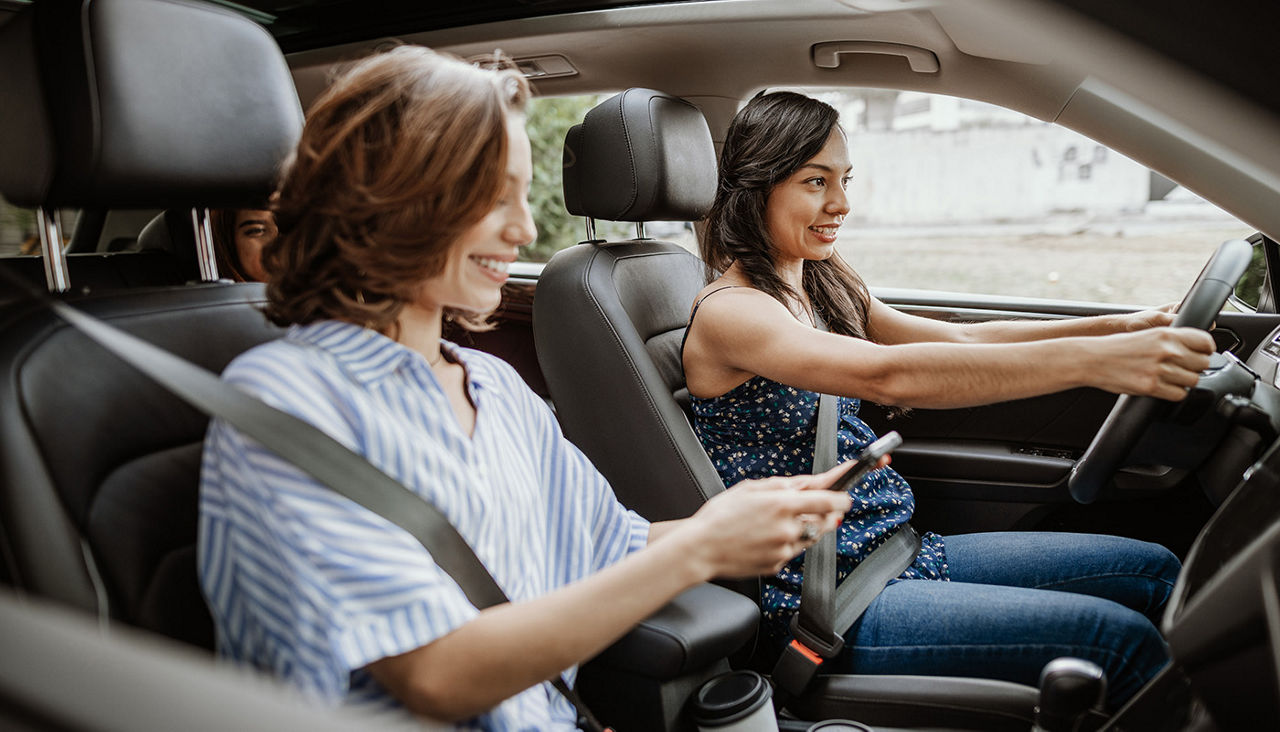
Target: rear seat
(98, 466)
(99, 273)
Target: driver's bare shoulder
(725, 318)
(729, 305)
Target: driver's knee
(1164, 568)
(1133, 652)
(1139, 575)
(1145, 575)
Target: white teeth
(497, 265)
(826, 230)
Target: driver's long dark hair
(767, 142)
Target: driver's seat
(609, 318)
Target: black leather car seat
(609, 318)
(126, 104)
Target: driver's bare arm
(744, 332)
(752, 529)
(894, 327)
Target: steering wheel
(1132, 415)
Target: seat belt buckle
(802, 657)
(824, 648)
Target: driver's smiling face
(804, 212)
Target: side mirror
(1255, 293)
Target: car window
(19, 234)
(955, 195)
(549, 119)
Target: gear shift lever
(1069, 687)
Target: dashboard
(1223, 620)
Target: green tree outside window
(549, 120)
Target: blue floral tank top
(762, 428)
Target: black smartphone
(867, 461)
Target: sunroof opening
(299, 25)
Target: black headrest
(640, 156)
(141, 103)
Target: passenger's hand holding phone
(871, 458)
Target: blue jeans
(1019, 600)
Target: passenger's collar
(367, 355)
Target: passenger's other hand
(1153, 318)
(1158, 362)
(756, 526)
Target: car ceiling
(1197, 108)
(731, 48)
(1034, 56)
(1232, 42)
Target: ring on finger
(808, 531)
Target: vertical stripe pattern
(311, 587)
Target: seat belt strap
(801, 658)
(816, 616)
(826, 611)
(317, 454)
(889, 560)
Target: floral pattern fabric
(763, 428)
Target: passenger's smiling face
(805, 210)
(477, 264)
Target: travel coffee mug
(739, 701)
(839, 725)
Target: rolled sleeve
(324, 585)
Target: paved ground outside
(1131, 264)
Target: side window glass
(19, 233)
(956, 195)
(1248, 291)
(549, 119)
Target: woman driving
(784, 318)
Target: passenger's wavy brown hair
(768, 141)
(401, 154)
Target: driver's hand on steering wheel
(1153, 318)
(1159, 362)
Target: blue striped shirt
(311, 587)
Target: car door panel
(1004, 466)
(995, 467)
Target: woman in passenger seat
(404, 205)
(999, 605)
(239, 235)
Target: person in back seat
(755, 362)
(404, 205)
(239, 236)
